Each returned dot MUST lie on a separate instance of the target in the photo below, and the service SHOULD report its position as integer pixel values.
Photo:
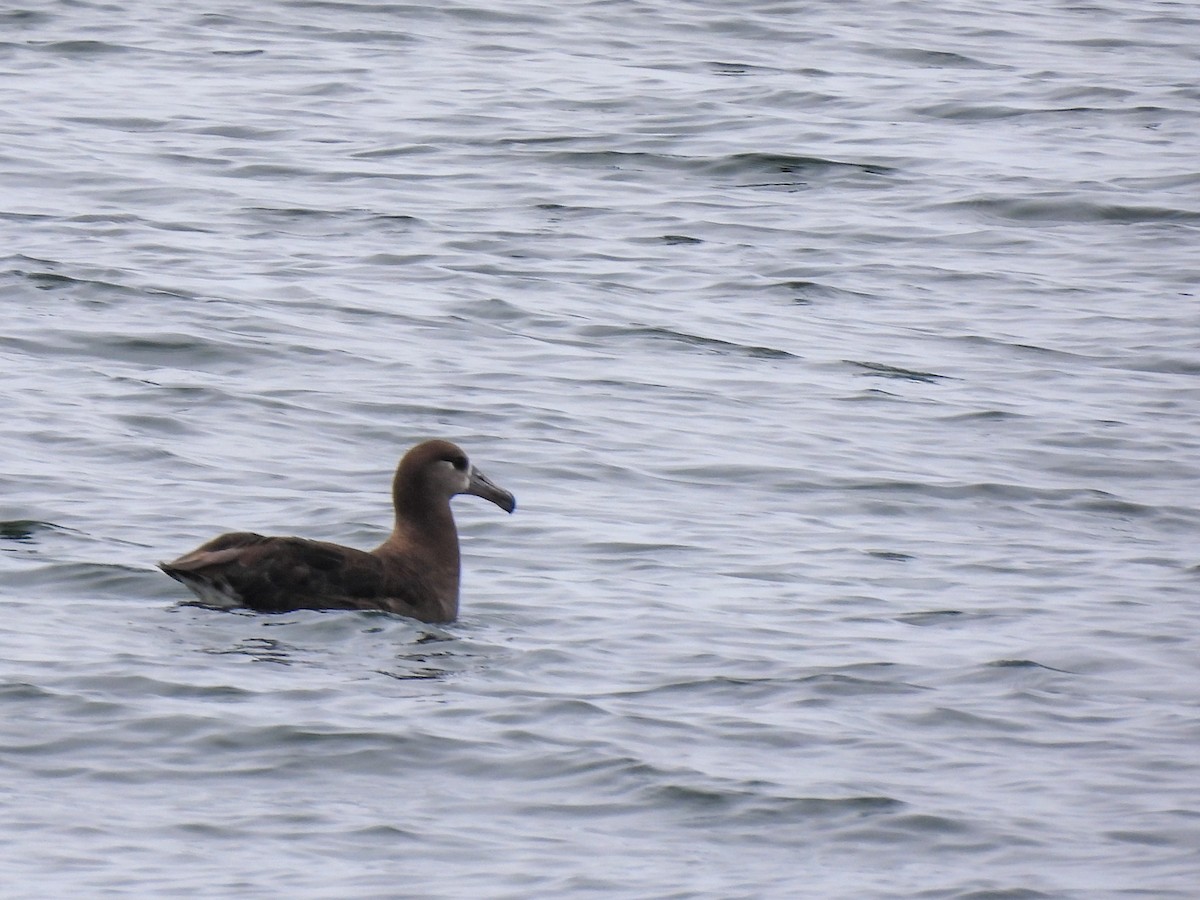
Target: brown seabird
(415, 572)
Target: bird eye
(460, 463)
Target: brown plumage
(415, 572)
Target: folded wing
(279, 574)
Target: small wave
(1159, 182)
(494, 309)
(712, 345)
(931, 617)
(318, 221)
(238, 132)
(943, 716)
(46, 280)
(394, 152)
(740, 69)
(23, 17)
(891, 555)
(785, 164)
(79, 47)
(623, 549)
(124, 123)
(25, 530)
(82, 579)
(972, 112)
(883, 370)
(1067, 209)
(164, 349)
(835, 684)
(807, 292)
(1086, 498)
(1161, 364)
(1024, 664)
(737, 804)
(983, 415)
(735, 165)
(934, 59)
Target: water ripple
(844, 363)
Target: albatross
(415, 572)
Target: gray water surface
(843, 358)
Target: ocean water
(843, 357)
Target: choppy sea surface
(844, 358)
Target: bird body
(415, 572)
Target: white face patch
(456, 480)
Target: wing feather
(279, 574)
